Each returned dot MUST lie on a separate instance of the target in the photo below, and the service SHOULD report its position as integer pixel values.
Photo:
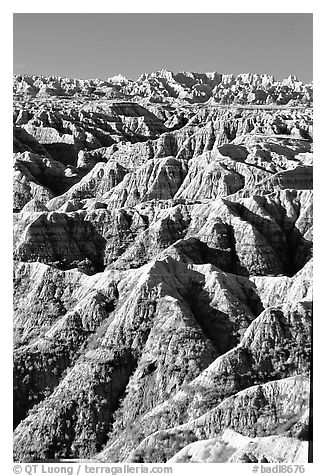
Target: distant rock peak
(188, 86)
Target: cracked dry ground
(162, 290)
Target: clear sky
(94, 45)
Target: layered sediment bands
(269, 349)
(232, 447)
(205, 132)
(285, 399)
(163, 271)
(206, 180)
(155, 180)
(299, 178)
(95, 184)
(65, 240)
(262, 231)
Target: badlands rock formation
(162, 268)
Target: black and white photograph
(162, 249)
